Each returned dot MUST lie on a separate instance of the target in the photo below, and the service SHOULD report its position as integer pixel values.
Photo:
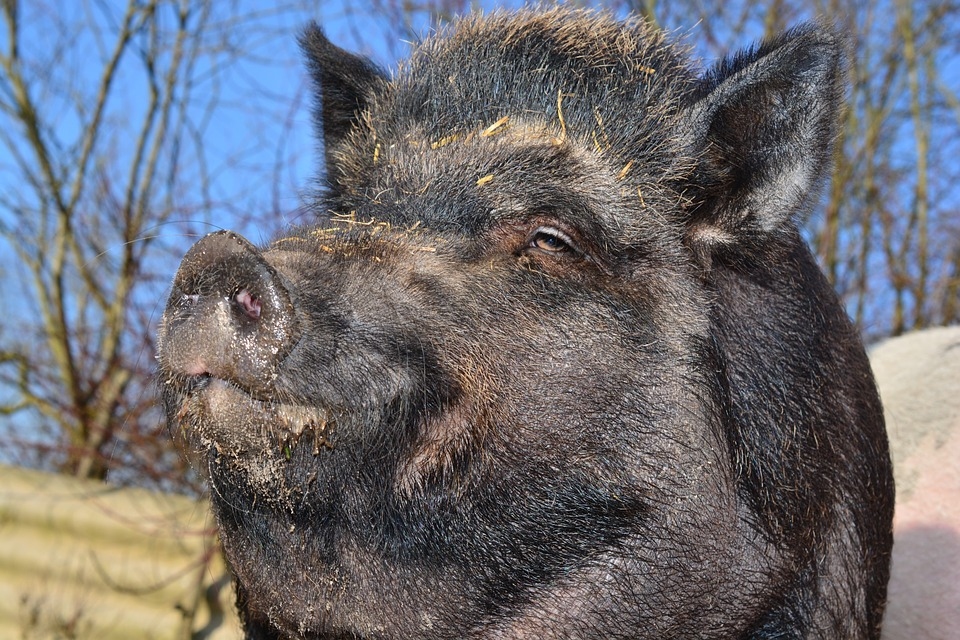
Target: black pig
(555, 363)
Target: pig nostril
(249, 303)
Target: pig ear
(345, 83)
(763, 129)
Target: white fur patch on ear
(784, 192)
(704, 239)
(710, 235)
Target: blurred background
(128, 130)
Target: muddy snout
(229, 316)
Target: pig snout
(228, 317)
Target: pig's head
(555, 362)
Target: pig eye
(551, 240)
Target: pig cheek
(441, 449)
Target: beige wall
(87, 561)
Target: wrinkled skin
(919, 379)
(553, 363)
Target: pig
(919, 379)
(552, 360)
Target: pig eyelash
(551, 240)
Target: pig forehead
(560, 66)
(444, 101)
(469, 185)
(539, 113)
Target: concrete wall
(82, 560)
(919, 379)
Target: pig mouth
(256, 435)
